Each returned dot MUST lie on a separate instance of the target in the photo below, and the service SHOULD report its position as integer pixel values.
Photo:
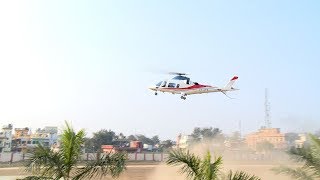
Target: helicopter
(181, 84)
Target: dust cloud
(164, 171)
(236, 160)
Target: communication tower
(267, 110)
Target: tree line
(109, 137)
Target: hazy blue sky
(90, 62)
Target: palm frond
(210, 170)
(108, 164)
(240, 175)
(216, 165)
(315, 153)
(71, 143)
(35, 178)
(298, 173)
(190, 162)
(309, 155)
(205, 167)
(45, 163)
(48, 164)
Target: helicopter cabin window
(178, 85)
(164, 84)
(158, 84)
(172, 85)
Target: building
(21, 139)
(6, 138)
(47, 136)
(24, 138)
(299, 143)
(21, 132)
(184, 141)
(271, 135)
(133, 146)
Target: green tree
(45, 163)
(165, 145)
(89, 145)
(144, 139)
(155, 140)
(310, 157)
(203, 169)
(196, 134)
(120, 136)
(132, 138)
(103, 137)
(207, 133)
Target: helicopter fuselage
(184, 86)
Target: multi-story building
(271, 135)
(24, 138)
(6, 138)
(47, 136)
(21, 132)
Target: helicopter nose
(152, 88)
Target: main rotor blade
(177, 73)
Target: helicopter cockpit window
(172, 85)
(158, 84)
(164, 83)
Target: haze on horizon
(91, 63)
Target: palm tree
(203, 169)
(45, 163)
(310, 156)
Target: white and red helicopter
(181, 84)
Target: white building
(300, 142)
(6, 138)
(47, 136)
(184, 141)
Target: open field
(158, 171)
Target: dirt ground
(156, 171)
